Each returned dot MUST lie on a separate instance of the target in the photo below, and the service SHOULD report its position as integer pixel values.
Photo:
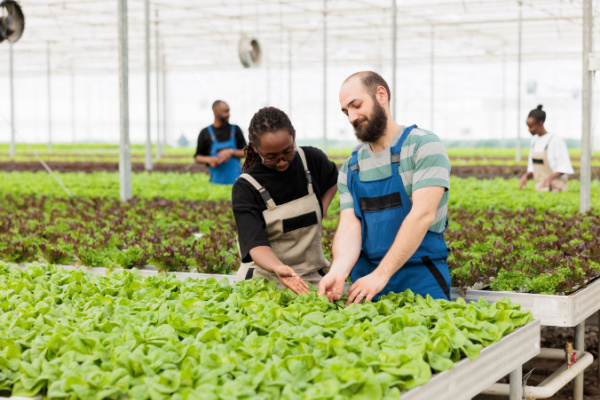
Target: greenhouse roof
(82, 35)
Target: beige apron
(542, 170)
(294, 231)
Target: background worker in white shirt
(549, 163)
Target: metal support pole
(325, 76)
(72, 105)
(49, 96)
(503, 133)
(267, 64)
(516, 384)
(579, 345)
(158, 150)
(124, 150)
(148, 158)
(394, 57)
(13, 146)
(432, 79)
(518, 150)
(290, 74)
(586, 111)
(164, 93)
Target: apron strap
(306, 170)
(232, 134)
(264, 193)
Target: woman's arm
(265, 258)
(327, 197)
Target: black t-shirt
(284, 187)
(222, 134)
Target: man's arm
(408, 239)
(202, 155)
(212, 161)
(327, 197)
(238, 153)
(226, 154)
(347, 244)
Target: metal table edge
(470, 377)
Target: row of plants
(106, 185)
(475, 170)
(98, 232)
(469, 193)
(139, 149)
(103, 157)
(104, 166)
(522, 250)
(70, 335)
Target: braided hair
(538, 114)
(266, 120)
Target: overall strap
(395, 150)
(353, 168)
(264, 193)
(306, 170)
(212, 133)
(232, 131)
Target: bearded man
(394, 202)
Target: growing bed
(70, 334)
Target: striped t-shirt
(423, 163)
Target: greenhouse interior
(149, 149)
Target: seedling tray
(470, 377)
(552, 310)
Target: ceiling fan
(12, 21)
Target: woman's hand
(289, 278)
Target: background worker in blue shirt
(393, 201)
(221, 146)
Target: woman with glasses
(279, 202)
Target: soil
(554, 337)
(88, 167)
(460, 171)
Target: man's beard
(374, 127)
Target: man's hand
(366, 287)
(289, 278)
(214, 161)
(332, 286)
(225, 154)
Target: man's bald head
(371, 81)
(221, 111)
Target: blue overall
(227, 172)
(382, 205)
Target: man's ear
(382, 95)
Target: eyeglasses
(288, 156)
